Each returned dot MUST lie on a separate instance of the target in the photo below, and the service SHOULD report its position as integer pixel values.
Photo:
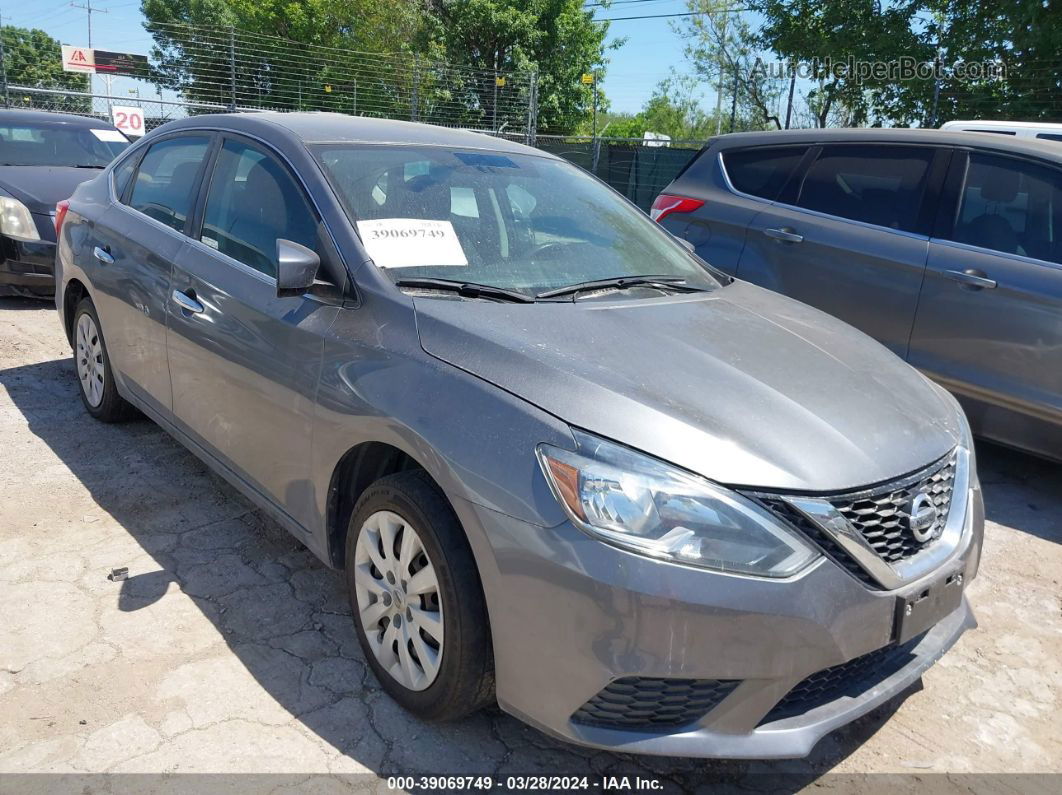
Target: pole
(89, 11)
(792, 87)
(529, 138)
(494, 109)
(232, 70)
(354, 102)
(719, 86)
(733, 101)
(936, 90)
(3, 65)
(414, 109)
(597, 142)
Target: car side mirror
(297, 268)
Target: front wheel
(416, 599)
(95, 378)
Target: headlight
(641, 504)
(16, 221)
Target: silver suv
(563, 463)
(944, 246)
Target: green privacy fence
(636, 170)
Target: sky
(651, 48)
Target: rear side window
(1012, 206)
(879, 185)
(762, 171)
(166, 179)
(121, 174)
(1050, 136)
(993, 132)
(252, 201)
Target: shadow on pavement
(284, 615)
(9, 302)
(1032, 499)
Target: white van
(1020, 129)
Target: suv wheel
(97, 387)
(416, 599)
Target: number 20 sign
(128, 120)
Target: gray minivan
(944, 246)
(564, 464)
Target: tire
(95, 379)
(456, 678)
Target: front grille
(852, 679)
(636, 702)
(881, 516)
(788, 513)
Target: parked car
(1044, 131)
(946, 247)
(43, 157)
(563, 462)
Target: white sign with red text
(129, 120)
(78, 59)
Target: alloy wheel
(89, 357)
(398, 600)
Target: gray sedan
(564, 464)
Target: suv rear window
(880, 185)
(762, 171)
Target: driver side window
(251, 202)
(166, 180)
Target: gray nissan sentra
(564, 464)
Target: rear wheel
(98, 390)
(416, 599)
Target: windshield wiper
(467, 289)
(622, 283)
(79, 165)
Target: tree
(722, 49)
(825, 36)
(34, 59)
(328, 68)
(1023, 36)
(556, 38)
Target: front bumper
(570, 615)
(27, 267)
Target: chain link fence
(195, 70)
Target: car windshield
(514, 221)
(29, 144)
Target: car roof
(1003, 125)
(341, 128)
(977, 140)
(14, 116)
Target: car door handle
(784, 235)
(973, 278)
(187, 302)
(103, 255)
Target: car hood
(40, 188)
(743, 386)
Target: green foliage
(329, 68)
(34, 59)
(676, 109)
(556, 38)
(723, 50)
(1025, 36)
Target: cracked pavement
(230, 648)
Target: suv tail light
(60, 216)
(665, 205)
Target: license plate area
(920, 611)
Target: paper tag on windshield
(411, 242)
(110, 136)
